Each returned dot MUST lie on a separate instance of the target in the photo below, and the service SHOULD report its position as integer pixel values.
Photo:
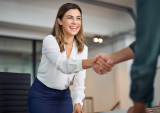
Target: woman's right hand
(103, 67)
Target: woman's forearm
(87, 63)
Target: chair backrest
(88, 104)
(14, 88)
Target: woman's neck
(69, 40)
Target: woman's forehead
(73, 12)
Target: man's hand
(77, 109)
(101, 55)
(131, 110)
(139, 107)
(104, 63)
(114, 58)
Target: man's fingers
(99, 70)
(105, 69)
(96, 70)
(96, 57)
(104, 65)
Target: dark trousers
(42, 99)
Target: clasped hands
(103, 63)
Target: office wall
(100, 87)
(113, 87)
(156, 100)
(35, 19)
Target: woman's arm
(78, 90)
(52, 51)
(78, 85)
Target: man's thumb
(110, 62)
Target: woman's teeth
(73, 27)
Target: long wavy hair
(57, 30)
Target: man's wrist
(112, 57)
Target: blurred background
(109, 26)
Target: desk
(116, 111)
(153, 110)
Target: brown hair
(58, 32)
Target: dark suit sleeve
(132, 46)
(146, 50)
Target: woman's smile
(73, 28)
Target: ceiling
(126, 3)
(55, 4)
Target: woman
(62, 65)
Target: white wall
(156, 100)
(110, 88)
(122, 78)
(101, 88)
(40, 15)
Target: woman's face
(71, 22)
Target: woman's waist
(48, 90)
(60, 82)
(49, 69)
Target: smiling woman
(63, 63)
(69, 23)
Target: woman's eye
(70, 18)
(79, 18)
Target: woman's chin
(73, 34)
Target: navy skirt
(42, 99)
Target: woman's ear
(59, 21)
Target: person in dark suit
(144, 51)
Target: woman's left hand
(77, 109)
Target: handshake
(103, 63)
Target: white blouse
(58, 72)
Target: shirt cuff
(78, 101)
(80, 65)
(78, 95)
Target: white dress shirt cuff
(80, 65)
(78, 101)
(78, 95)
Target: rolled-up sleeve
(132, 46)
(78, 83)
(52, 51)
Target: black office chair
(14, 88)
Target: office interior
(109, 26)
